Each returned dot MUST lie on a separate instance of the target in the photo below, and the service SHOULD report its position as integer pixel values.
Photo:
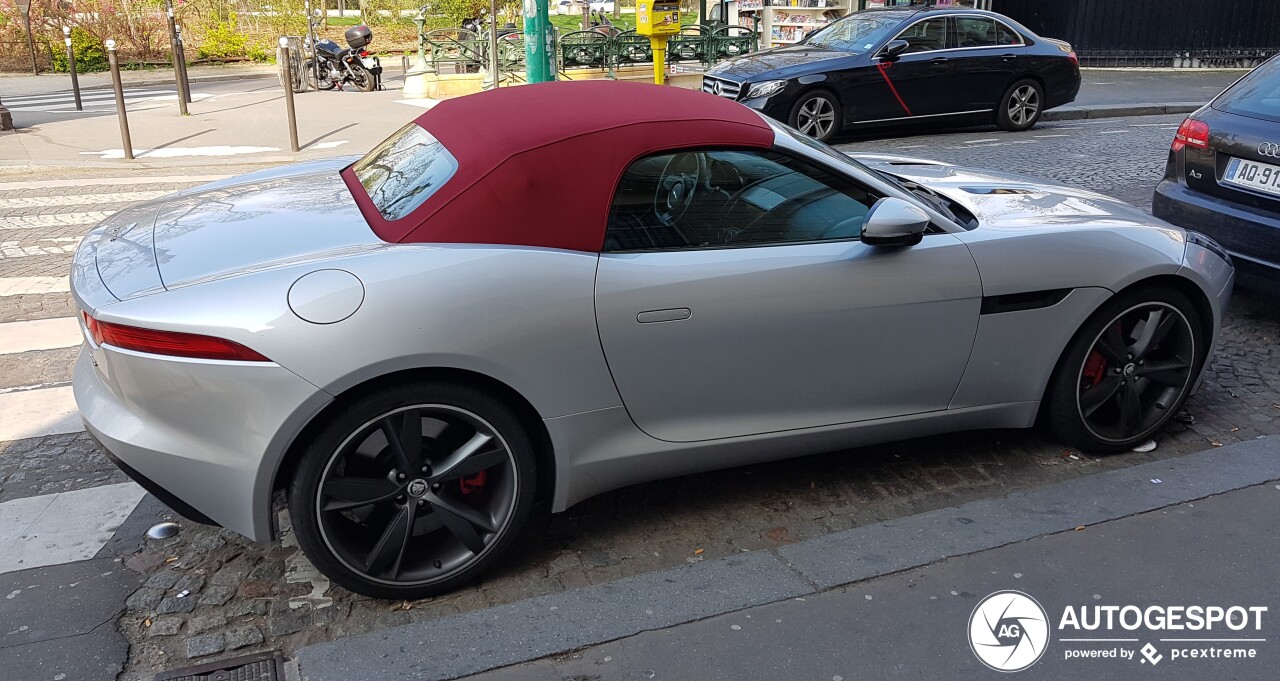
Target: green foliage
(223, 40)
(90, 53)
(452, 12)
(259, 53)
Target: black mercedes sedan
(1223, 175)
(883, 67)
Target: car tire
(816, 113)
(387, 533)
(1021, 106)
(1115, 386)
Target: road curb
(1075, 113)
(469, 643)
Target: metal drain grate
(261, 667)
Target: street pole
(182, 67)
(494, 63)
(71, 66)
(283, 58)
(311, 38)
(177, 56)
(120, 114)
(24, 6)
(538, 40)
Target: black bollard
(119, 88)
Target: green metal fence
(600, 48)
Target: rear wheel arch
(523, 409)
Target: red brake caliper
(474, 483)
(1095, 368)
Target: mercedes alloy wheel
(1021, 106)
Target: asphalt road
(243, 598)
(1122, 157)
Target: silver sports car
(423, 344)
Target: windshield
(404, 171)
(1257, 95)
(857, 33)
(936, 201)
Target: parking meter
(658, 19)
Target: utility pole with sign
(24, 6)
(538, 42)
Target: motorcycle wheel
(361, 78)
(326, 82)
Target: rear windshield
(1257, 95)
(404, 171)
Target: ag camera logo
(1008, 631)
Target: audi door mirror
(894, 222)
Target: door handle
(939, 60)
(677, 314)
(1008, 57)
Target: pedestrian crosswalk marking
(96, 101)
(63, 528)
(92, 217)
(55, 246)
(37, 413)
(40, 334)
(80, 199)
(86, 96)
(23, 286)
(99, 181)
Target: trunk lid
(225, 228)
(1231, 137)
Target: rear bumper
(1251, 237)
(203, 436)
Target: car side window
(976, 32)
(729, 199)
(1007, 36)
(925, 36)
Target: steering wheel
(679, 181)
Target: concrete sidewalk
(1220, 551)
(894, 599)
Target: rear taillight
(171, 343)
(1191, 133)
(1073, 57)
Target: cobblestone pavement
(210, 593)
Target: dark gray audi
(1223, 175)
(885, 67)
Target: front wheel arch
(1187, 288)
(523, 409)
(826, 90)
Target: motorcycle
(338, 65)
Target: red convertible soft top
(538, 164)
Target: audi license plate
(1262, 177)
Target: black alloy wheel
(1021, 106)
(413, 492)
(1128, 371)
(816, 114)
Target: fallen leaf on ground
(1079, 528)
(698, 552)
